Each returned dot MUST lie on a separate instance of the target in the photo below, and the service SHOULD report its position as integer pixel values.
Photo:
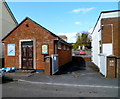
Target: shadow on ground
(5, 79)
(78, 63)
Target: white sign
(44, 49)
(11, 49)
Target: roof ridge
(47, 30)
(100, 16)
(9, 10)
(38, 25)
(110, 11)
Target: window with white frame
(59, 45)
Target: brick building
(27, 45)
(106, 43)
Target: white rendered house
(7, 22)
(103, 39)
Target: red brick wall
(64, 56)
(107, 33)
(41, 35)
(32, 32)
(107, 38)
(119, 37)
(118, 48)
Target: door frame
(34, 52)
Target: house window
(59, 45)
(65, 47)
(68, 48)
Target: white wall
(96, 37)
(0, 29)
(107, 49)
(110, 15)
(0, 20)
(6, 23)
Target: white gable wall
(6, 23)
(0, 20)
(95, 43)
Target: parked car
(82, 52)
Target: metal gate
(103, 64)
(55, 66)
(118, 67)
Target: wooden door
(27, 55)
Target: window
(65, 47)
(59, 45)
(68, 48)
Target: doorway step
(25, 71)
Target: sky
(62, 18)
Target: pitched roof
(100, 16)
(10, 12)
(38, 25)
(110, 11)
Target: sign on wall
(44, 49)
(11, 49)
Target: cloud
(71, 37)
(82, 10)
(77, 23)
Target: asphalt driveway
(75, 73)
(76, 79)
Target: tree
(83, 39)
(78, 41)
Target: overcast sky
(62, 17)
